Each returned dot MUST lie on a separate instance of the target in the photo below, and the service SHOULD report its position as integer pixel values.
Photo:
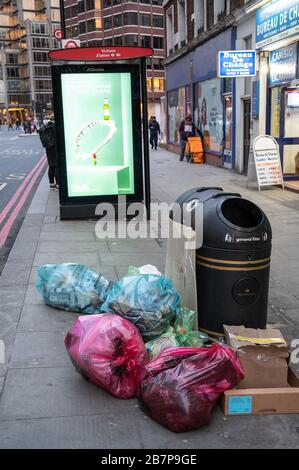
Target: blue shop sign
(237, 64)
(283, 65)
(255, 101)
(276, 21)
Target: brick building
(123, 22)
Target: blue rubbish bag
(149, 301)
(72, 287)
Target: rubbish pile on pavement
(137, 340)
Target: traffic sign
(58, 34)
(69, 43)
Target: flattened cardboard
(261, 401)
(265, 365)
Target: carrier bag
(182, 385)
(109, 351)
(149, 301)
(72, 287)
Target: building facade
(26, 36)
(123, 23)
(231, 112)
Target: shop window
(208, 113)
(149, 84)
(291, 118)
(275, 111)
(176, 113)
(290, 159)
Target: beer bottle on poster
(106, 109)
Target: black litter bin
(233, 263)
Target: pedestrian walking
(155, 131)
(187, 129)
(18, 124)
(47, 136)
(10, 125)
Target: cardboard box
(264, 356)
(263, 401)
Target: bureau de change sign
(237, 64)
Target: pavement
(45, 403)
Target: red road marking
(6, 229)
(11, 202)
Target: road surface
(22, 164)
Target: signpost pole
(62, 18)
(147, 184)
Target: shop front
(277, 37)
(197, 90)
(284, 106)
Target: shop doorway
(285, 128)
(246, 134)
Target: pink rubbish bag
(182, 385)
(109, 351)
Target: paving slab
(39, 349)
(70, 226)
(89, 259)
(32, 296)
(133, 259)
(8, 331)
(135, 246)
(67, 236)
(11, 301)
(67, 247)
(55, 391)
(42, 318)
(33, 220)
(76, 432)
(16, 273)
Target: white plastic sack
(181, 264)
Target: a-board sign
(267, 161)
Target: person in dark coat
(47, 136)
(155, 131)
(187, 129)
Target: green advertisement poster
(97, 112)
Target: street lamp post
(62, 18)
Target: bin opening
(241, 213)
